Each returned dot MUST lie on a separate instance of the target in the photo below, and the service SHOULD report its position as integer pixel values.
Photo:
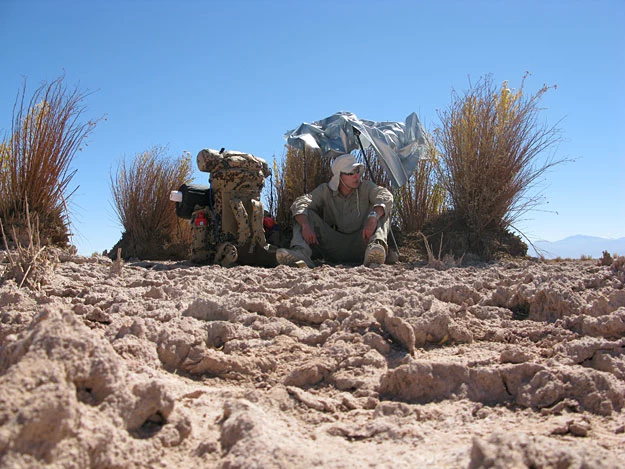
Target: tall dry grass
(47, 131)
(299, 174)
(491, 143)
(374, 170)
(422, 198)
(140, 190)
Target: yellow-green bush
(490, 141)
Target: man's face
(351, 180)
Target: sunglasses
(356, 171)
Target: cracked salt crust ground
(512, 364)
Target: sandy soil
(514, 364)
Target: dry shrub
(438, 262)
(46, 134)
(618, 267)
(299, 174)
(422, 198)
(489, 141)
(152, 230)
(374, 170)
(606, 259)
(28, 264)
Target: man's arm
(381, 200)
(377, 212)
(300, 208)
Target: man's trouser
(335, 246)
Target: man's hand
(370, 225)
(309, 234)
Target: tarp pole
(362, 150)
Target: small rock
(579, 428)
(514, 355)
(561, 428)
(97, 315)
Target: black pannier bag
(192, 195)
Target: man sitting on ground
(346, 220)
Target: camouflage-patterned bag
(230, 229)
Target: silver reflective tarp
(399, 145)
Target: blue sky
(240, 73)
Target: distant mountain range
(579, 245)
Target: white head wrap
(343, 164)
